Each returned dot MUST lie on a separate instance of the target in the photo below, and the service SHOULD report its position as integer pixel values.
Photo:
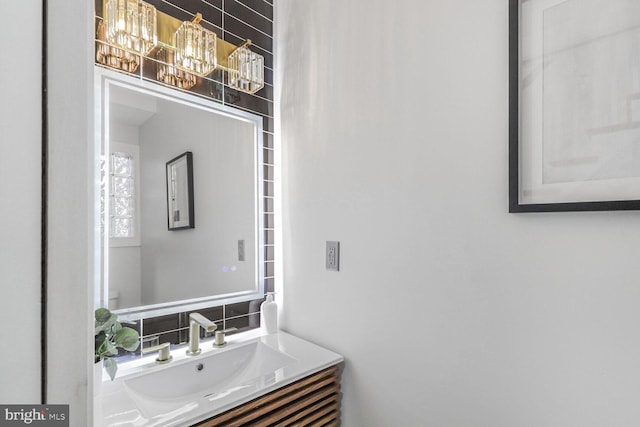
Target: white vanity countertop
(115, 405)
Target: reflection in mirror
(150, 268)
(180, 210)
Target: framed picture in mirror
(574, 109)
(180, 204)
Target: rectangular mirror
(166, 156)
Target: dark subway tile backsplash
(269, 250)
(248, 16)
(268, 268)
(174, 9)
(268, 76)
(156, 325)
(212, 27)
(268, 140)
(216, 3)
(210, 88)
(269, 284)
(174, 337)
(210, 13)
(266, 92)
(215, 314)
(248, 102)
(263, 8)
(267, 172)
(240, 29)
(269, 220)
(268, 188)
(244, 323)
(268, 205)
(236, 310)
(268, 156)
(268, 124)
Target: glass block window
(123, 197)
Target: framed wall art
(180, 205)
(574, 108)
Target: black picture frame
(179, 179)
(515, 204)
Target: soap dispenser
(269, 315)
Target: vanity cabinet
(311, 401)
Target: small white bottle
(269, 315)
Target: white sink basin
(209, 377)
(192, 389)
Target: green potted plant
(111, 335)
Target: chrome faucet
(197, 320)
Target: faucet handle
(219, 339)
(164, 352)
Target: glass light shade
(246, 70)
(112, 56)
(169, 74)
(195, 48)
(131, 25)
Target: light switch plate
(240, 250)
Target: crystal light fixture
(113, 56)
(133, 30)
(169, 74)
(131, 25)
(246, 69)
(195, 48)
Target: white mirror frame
(104, 79)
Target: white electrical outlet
(333, 256)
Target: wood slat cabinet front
(313, 401)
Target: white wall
(449, 310)
(124, 276)
(224, 184)
(20, 170)
(70, 238)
